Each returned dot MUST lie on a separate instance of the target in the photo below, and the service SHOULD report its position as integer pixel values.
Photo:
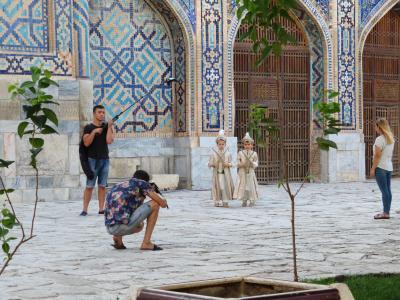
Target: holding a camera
(125, 209)
(94, 156)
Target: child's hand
(227, 165)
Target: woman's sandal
(118, 247)
(381, 216)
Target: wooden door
(282, 85)
(381, 83)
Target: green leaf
(331, 130)
(6, 247)
(11, 88)
(11, 238)
(39, 120)
(35, 73)
(48, 130)
(8, 191)
(47, 73)
(325, 144)
(35, 151)
(5, 163)
(46, 82)
(21, 128)
(27, 84)
(36, 142)
(8, 223)
(51, 115)
(3, 231)
(5, 211)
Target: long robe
(246, 188)
(222, 183)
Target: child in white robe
(246, 189)
(221, 162)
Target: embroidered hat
(221, 136)
(247, 138)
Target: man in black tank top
(96, 138)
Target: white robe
(246, 188)
(222, 184)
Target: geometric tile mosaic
(212, 65)
(346, 62)
(131, 55)
(24, 20)
(81, 28)
(179, 65)
(24, 25)
(189, 6)
(366, 7)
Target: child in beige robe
(246, 189)
(221, 162)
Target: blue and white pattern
(189, 6)
(132, 55)
(24, 25)
(346, 62)
(212, 65)
(25, 33)
(82, 47)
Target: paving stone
(71, 256)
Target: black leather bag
(83, 156)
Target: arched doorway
(282, 84)
(134, 47)
(381, 82)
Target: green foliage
(369, 287)
(265, 13)
(259, 122)
(7, 218)
(39, 120)
(326, 120)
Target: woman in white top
(382, 166)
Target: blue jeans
(100, 171)
(383, 179)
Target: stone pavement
(71, 257)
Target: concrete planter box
(242, 288)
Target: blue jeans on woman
(383, 179)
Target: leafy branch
(38, 121)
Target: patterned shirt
(123, 199)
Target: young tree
(268, 15)
(38, 121)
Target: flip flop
(155, 248)
(381, 217)
(118, 247)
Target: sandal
(155, 248)
(381, 216)
(118, 247)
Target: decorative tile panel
(81, 28)
(24, 25)
(367, 7)
(316, 55)
(179, 67)
(131, 55)
(25, 21)
(189, 6)
(212, 65)
(346, 62)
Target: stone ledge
(166, 181)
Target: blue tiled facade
(128, 47)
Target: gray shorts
(138, 216)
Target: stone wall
(59, 162)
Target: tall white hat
(247, 137)
(221, 135)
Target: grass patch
(369, 287)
